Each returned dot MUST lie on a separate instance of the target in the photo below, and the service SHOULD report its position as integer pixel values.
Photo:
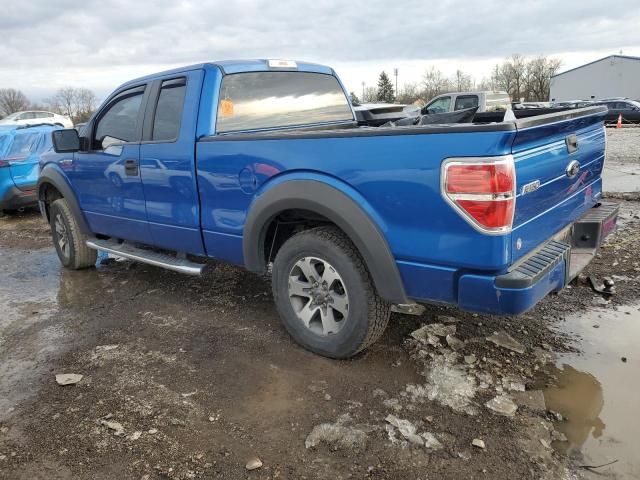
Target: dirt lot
(191, 378)
(622, 169)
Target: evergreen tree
(354, 98)
(385, 89)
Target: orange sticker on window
(226, 108)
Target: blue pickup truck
(262, 164)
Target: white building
(613, 76)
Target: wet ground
(596, 390)
(191, 378)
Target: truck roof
(238, 66)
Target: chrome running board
(157, 259)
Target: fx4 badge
(573, 168)
(530, 187)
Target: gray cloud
(62, 36)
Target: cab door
(167, 163)
(106, 177)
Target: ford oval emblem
(573, 168)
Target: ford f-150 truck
(261, 164)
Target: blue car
(20, 151)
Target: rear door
(559, 159)
(167, 163)
(107, 177)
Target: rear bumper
(15, 198)
(547, 270)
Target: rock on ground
(504, 340)
(253, 463)
(68, 378)
(502, 405)
(448, 384)
(337, 435)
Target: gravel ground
(622, 168)
(192, 378)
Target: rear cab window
(498, 102)
(466, 101)
(269, 100)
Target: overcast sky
(48, 44)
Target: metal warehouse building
(613, 76)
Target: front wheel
(325, 295)
(68, 239)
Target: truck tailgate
(559, 160)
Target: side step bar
(158, 259)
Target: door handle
(131, 167)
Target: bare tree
(409, 93)
(540, 70)
(434, 83)
(462, 81)
(76, 103)
(370, 95)
(518, 67)
(11, 101)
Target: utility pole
(362, 98)
(395, 72)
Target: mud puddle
(596, 392)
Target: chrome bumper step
(158, 259)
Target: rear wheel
(325, 295)
(68, 239)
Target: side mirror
(65, 141)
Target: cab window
(259, 100)
(439, 105)
(166, 122)
(119, 123)
(466, 101)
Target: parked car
(572, 104)
(629, 109)
(36, 117)
(348, 220)
(523, 105)
(20, 150)
(487, 101)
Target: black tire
(368, 314)
(77, 255)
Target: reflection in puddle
(578, 397)
(596, 392)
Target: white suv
(35, 117)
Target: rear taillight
(482, 190)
